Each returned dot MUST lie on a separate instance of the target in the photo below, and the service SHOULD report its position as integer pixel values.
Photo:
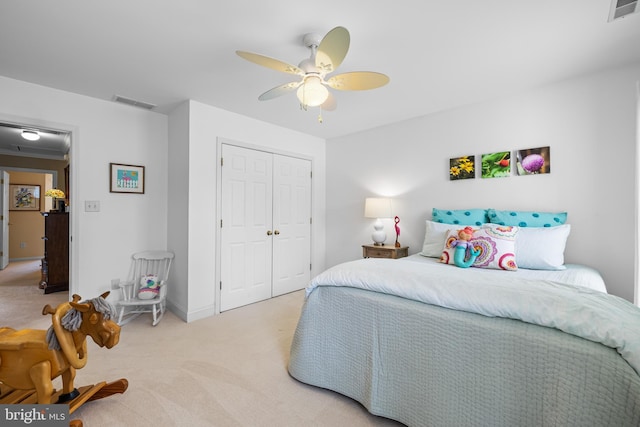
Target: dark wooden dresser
(55, 264)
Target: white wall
(103, 132)
(590, 125)
(198, 157)
(178, 209)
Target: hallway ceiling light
(30, 135)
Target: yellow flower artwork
(462, 168)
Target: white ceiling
(438, 54)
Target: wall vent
(621, 8)
(133, 102)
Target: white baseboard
(191, 317)
(25, 259)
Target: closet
(265, 225)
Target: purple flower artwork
(533, 161)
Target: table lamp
(378, 208)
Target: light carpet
(225, 370)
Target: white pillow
(434, 238)
(542, 248)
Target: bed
(430, 344)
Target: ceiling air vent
(133, 102)
(622, 8)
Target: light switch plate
(91, 206)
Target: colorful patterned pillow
(149, 287)
(475, 217)
(496, 244)
(527, 219)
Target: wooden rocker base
(87, 393)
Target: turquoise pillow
(527, 219)
(460, 216)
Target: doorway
(22, 234)
(48, 157)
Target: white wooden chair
(145, 290)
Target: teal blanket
(574, 309)
(427, 365)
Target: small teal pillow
(460, 216)
(527, 219)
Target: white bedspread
(541, 300)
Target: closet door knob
(276, 232)
(269, 233)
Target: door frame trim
(74, 150)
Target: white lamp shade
(312, 92)
(376, 207)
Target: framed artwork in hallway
(24, 197)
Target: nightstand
(387, 251)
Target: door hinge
(220, 223)
(221, 285)
(309, 267)
(311, 174)
(1, 217)
(311, 220)
(221, 161)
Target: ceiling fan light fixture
(30, 135)
(312, 92)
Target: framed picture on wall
(24, 197)
(126, 178)
(496, 165)
(533, 161)
(462, 168)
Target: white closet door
(246, 248)
(291, 224)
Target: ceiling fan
(326, 55)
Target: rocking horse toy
(31, 359)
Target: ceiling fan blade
(279, 91)
(330, 104)
(332, 49)
(274, 64)
(358, 80)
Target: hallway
(19, 291)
